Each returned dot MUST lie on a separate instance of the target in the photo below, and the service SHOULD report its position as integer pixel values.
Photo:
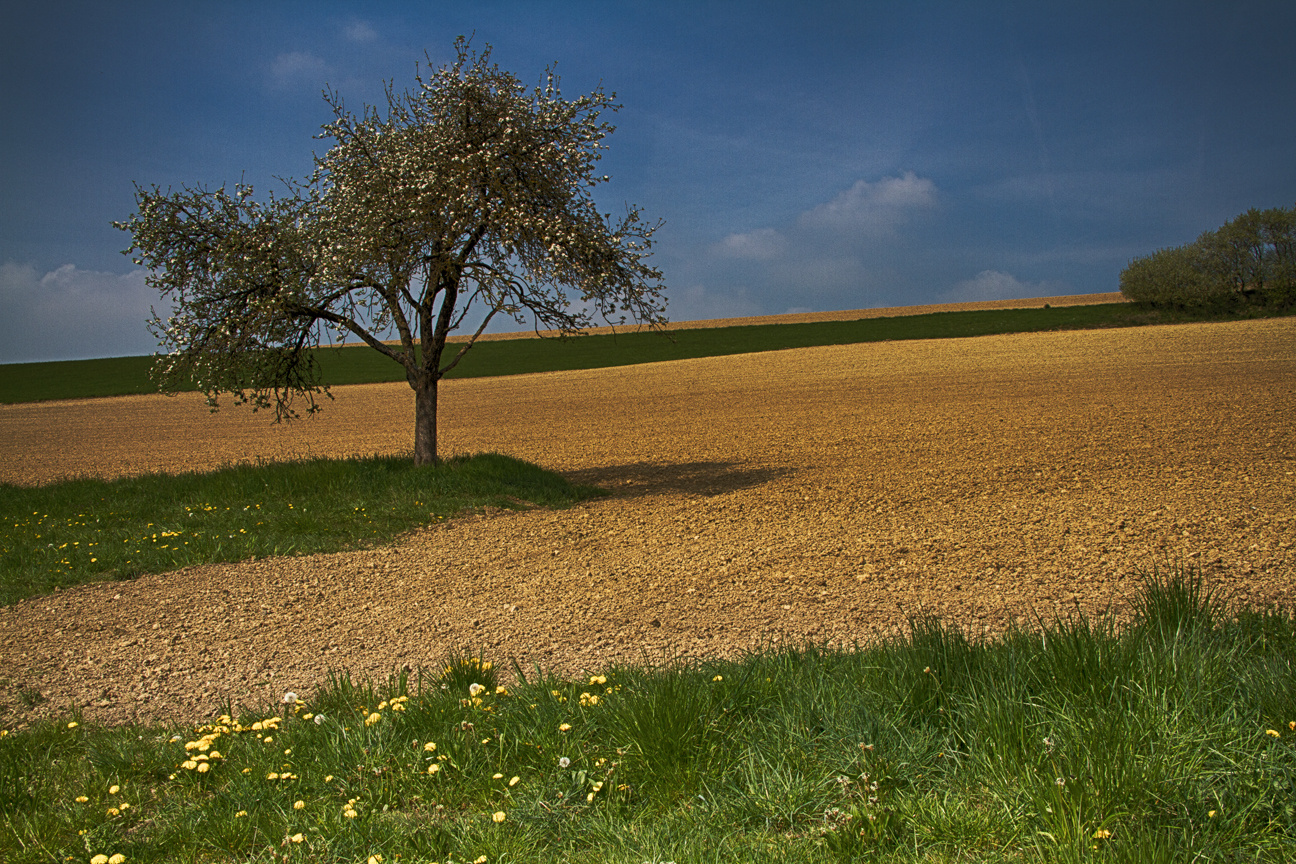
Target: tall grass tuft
(1170, 738)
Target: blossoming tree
(470, 196)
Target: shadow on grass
(643, 479)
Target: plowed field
(824, 494)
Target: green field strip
(120, 376)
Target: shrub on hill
(1249, 261)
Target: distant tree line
(1250, 261)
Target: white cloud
(843, 253)
(996, 285)
(297, 68)
(697, 303)
(762, 244)
(873, 207)
(836, 234)
(360, 31)
(71, 313)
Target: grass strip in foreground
(118, 376)
(78, 531)
(1172, 739)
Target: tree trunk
(425, 420)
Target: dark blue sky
(805, 156)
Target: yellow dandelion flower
(563, 727)
(298, 805)
(480, 860)
(114, 789)
(718, 678)
(99, 859)
(240, 814)
(203, 767)
(1101, 834)
(1211, 814)
(434, 767)
(373, 718)
(328, 779)
(1273, 732)
(429, 746)
(73, 724)
(497, 776)
(498, 816)
(273, 775)
(297, 838)
(117, 859)
(375, 859)
(81, 799)
(113, 811)
(598, 679)
(513, 781)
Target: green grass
(29, 382)
(1167, 740)
(64, 534)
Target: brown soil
(823, 494)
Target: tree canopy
(469, 198)
(1249, 260)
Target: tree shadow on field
(643, 479)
